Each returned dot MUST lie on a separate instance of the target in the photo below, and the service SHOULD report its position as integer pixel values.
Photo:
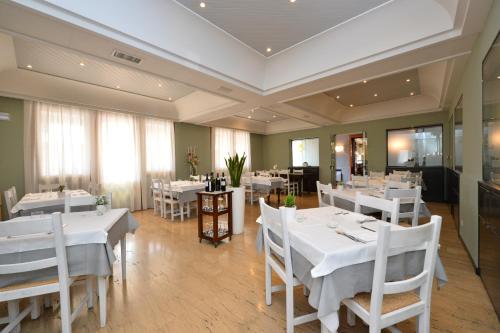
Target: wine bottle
(207, 184)
(223, 183)
(217, 182)
(212, 182)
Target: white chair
(157, 191)
(48, 187)
(169, 203)
(195, 178)
(297, 183)
(407, 196)
(10, 201)
(77, 201)
(377, 174)
(384, 205)
(248, 183)
(279, 259)
(324, 190)
(359, 181)
(51, 226)
(94, 188)
(402, 173)
(392, 302)
(397, 184)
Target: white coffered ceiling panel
(260, 114)
(61, 62)
(278, 24)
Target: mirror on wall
(305, 152)
(349, 156)
(491, 114)
(415, 147)
(457, 136)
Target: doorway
(348, 156)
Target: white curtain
(73, 146)
(226, 142)
(58, 145)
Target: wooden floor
(176, 284)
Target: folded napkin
(365, 218)
(362, 234)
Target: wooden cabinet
(311, 175)
(489, 240)
(217, 203)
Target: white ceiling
(49, 59)
(261, 115)
(378, 90)
(278, 24)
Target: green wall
(198, 137)
(256, 143)
(277, 146)
(11, 148)
(471, 88)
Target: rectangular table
(51, 200)
(334, 267)
(264, 184)
(90, 240)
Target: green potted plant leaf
(235, 166)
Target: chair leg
(13, 309)
(423, 322)
(306, 290)
(268, 285)
(65, 305)
(188, 210)
(351, 318)
(35, 307)
(171, 211)
(181, 208)
(289, 308)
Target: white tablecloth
(186, 185)
(79, 228)
(46, 199)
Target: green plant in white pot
(235, 166)
(290, 208)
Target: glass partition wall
(491, 114)
(414, 147)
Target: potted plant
(290, 208)
(234, 166)
(101, 201)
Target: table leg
(279, 195)
(101, 289)
(123, 247)
(13, 309)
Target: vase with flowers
(192, 160)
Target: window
(415, 147)
(305, 151)
(159, 137)
(227, 142)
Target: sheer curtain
(122, 152)
(227, 142)
(58, 142)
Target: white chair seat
(390, 302)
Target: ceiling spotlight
(82, 64)
(249, 117)
(375, 95)
(412, 93)
(267, 121)
(351, 105)
(408, 80)
(117, 87)
(252, 110)
(274, 116)
(202, 4)
(337, 97)
(364, 81)
(170, 98)
(292, 1)
(498, 77)
(268, 50)
(29, 66)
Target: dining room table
(265, 184)
(335, 266)
(45, 201)
(90, 239)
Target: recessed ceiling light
(268, 50)
(267, 121)
(408, 80)
(253, 110)
(351, 105)
(202, 4)
(292, 1)
(498, 77)
(337, 97)
(29, 66)
(82, 64)
(375, 95)
(249, 117)
(117, 87)
(364, 81)
(160, 85)
(274, 116)
(412, 93)
(170, 98)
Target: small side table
(214, 234)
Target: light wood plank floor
(176, 284)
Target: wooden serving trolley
(216, 233)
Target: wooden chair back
(384, 205)
(359, 181)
